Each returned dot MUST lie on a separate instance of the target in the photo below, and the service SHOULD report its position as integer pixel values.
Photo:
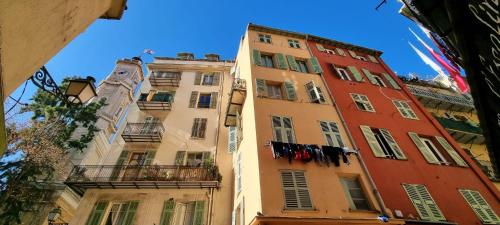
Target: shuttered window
(290, 90)
(341, 52)
(204, 100)
(267, 60)
(168, 212)
(199, 127)
(355, 194)
(362, 102)
(423, 202)
(393, 83)
(431, 153)
(232, 142)
(261, 87)
(293, 44)
(316, 68)
(482, 209)
(293, 63)
(451, 151)
(256, 57)
(315, 93)
(372, 58)
(341, 72)
(302, 66)
(122, 213)
(405, 109)
(280, 58)
(192, 99)
(97, 213)
(331, 132)
(283, 130)
(357, 76)
(382, 143)
(295, 190)
(265, 38)
(353, 54)
(199, 213)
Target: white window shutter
(372, 58)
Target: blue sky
(210, 26)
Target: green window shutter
(98, 213)
(197, 78)
(290, 91)
(372, 141)
(393, 83)
(130, 214)
(370, 76)
(150, 156)
(121, 160)
(341, 52)
(417, 201)
(261, 87)
(482, 209)
(392, 143)
(256, 57)
(316, 68)
(281, 61)
(320, 47)
(357, 76)
(372, 58)
(179, 158)
(216, 80)
(213, 100)
(198, 213)
(431, 205)
(168, 212)
(423, 148)
(453, 154)
(293, 63)
(192, 99)
(232, 143)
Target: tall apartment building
(287, 139)
(423, 175)
(457, 114)
(160, 167)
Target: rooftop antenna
(380, 4)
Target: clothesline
(309, 152)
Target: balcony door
(135, 163)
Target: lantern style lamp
(80, 91)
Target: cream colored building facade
(160, 166)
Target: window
(283, 130)
(355, 194)
(293, 44)
(274, 91)
(267, 61)
(265, 38)
(362, 102)
(315, 93)
(432, 148)
(404, 109)
(382, 143)
(378, 80)
(195, 159)
(302, 66)
(423, 202)
(341, 52)
(208, 79)
(434, 155)
(187, 213)
(116, 213)
(295, 191)
(342, 73)
(331, 133)
(479, 205)
(199, 127)
(204, 101)
(167, 74)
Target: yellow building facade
(278, 99)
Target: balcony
(438, 100)
(143, 132)
(169, 79)
(462, 131)
(236, 100)
(141, 177)
(158, 101)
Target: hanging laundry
(306, 154)
(332, 154)
(346, 152)
(277, 148)
(288, 152)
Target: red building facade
(420, 172)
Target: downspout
(358, 154)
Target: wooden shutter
(197, 78)
(357, 76)
(130, 214)
(482, 209)
(372, 141)
(192, 99)
(372, 58)
(203, 128)
(213, 100)
(419, 205)
(451, 151)
(393, 83)
(281, 61)
(179, 158)
(198, 213)
(195, 127)
(168, 212)
(232, 143)
(290, 91)
(392, 143)
(98, 213)
(370, 76)
(316, 68)
(216, 80)
(423, 148)
(256, 57)
(341, 52)
(150, 156)
(121, 160)
(296, 193)
(423, 202)
(261, 87)
(293, 63)
(353, 54)
(432, 207)
(320, 47)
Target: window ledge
(313, 210)
(430, 222)
(364, 210)
(197, 138)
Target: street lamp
(53, 215)
(78, 92)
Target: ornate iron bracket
(44, 81)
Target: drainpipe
(358, 154)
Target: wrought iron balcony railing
(443, 101)
(236, 100)
(142, 176)
(143, 132)
(171, 79)
(462, 131)
(159, 101)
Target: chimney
(185, 55)
(212, 57)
